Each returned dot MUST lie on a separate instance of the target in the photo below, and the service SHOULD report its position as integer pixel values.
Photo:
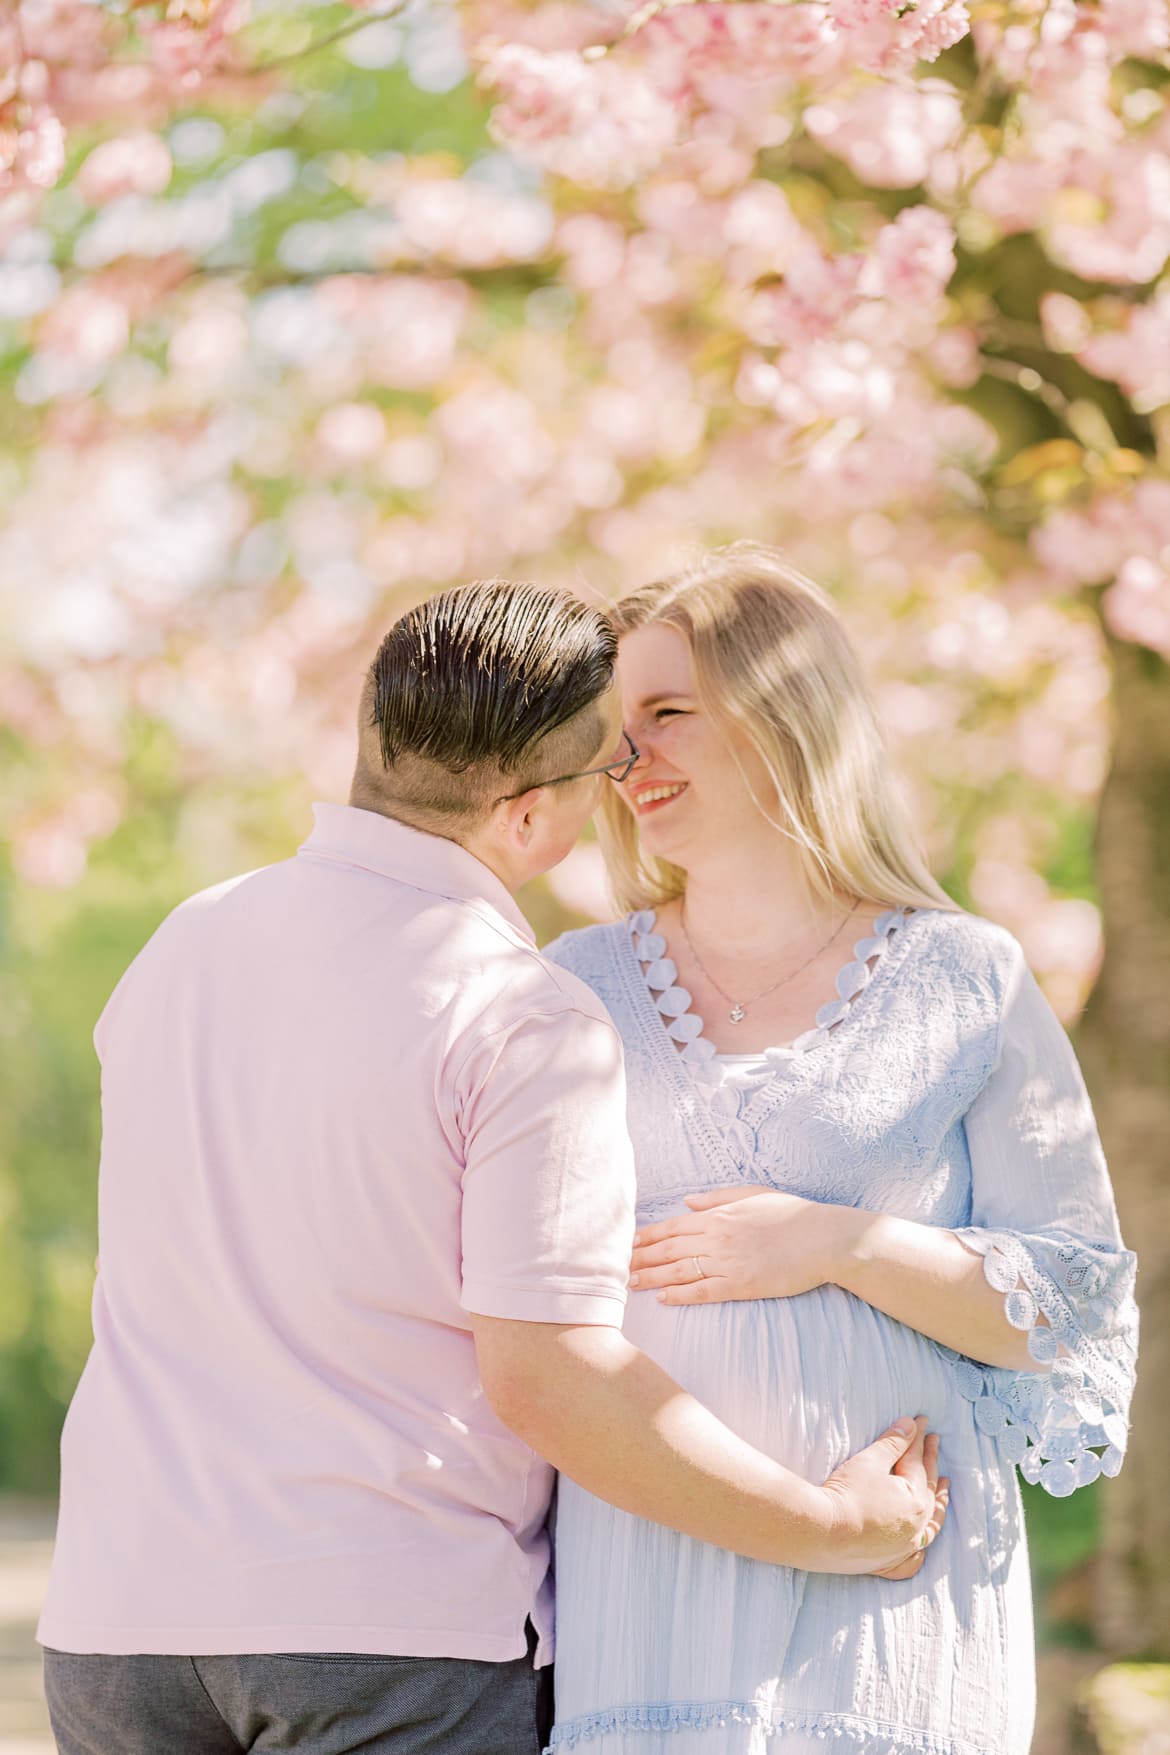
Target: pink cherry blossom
(913, 259)
(712, 319)
(811, 301)
(1082, 548)
(1140, 28)
(602, 124)
(32, 146)
(719, 54)
(1135, 354)
(888, 134)
(1122, 540)
(196, 39)
(890, 38)
(1067, 324)
(468, 223)
(1137, 607)
(131, 164)
(1016, 191)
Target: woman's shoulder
(588, 950)
(966, 947)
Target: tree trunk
(1124, 1042)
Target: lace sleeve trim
(1068, 1424)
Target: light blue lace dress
(938, 1086)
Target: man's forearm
(607, 1416)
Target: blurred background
(306, 312)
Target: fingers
(915, 1561)
(671, 1273)
(698, 1203)
(911, 1464)
(907, 1568)
(697, 1292)
(678, 1248)
(902, 1443)
(681, 1226)
(942, 1504)
(930, 1460)
(942, 1500)
(721, 1197)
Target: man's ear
(514, 818)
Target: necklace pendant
(737, 1014)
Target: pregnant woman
(869, 1180)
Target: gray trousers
(316, 1704)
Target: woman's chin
(660, 843)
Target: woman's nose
(641, 744)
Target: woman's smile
(655, 795)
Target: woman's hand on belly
(739, 1243)
(756, 1242)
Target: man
(365, 1218)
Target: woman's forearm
(923, 1276)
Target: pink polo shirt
(344, 1103)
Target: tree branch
(1029, 380)
(349, 29)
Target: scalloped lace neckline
(685, 1027)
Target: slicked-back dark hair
(469, 689)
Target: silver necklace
(739, 1007)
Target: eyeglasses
(617, 771)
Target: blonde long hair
(773, 661)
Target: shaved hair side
(476, 693)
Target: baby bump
(808, 1380)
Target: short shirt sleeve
(548, 1187)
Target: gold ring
(698, 1268)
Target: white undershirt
(740, 1069)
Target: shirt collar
(426, 862)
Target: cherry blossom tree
(307, 310)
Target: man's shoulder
(176, 943)
(202, 900)
(202, 906)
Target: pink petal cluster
(32, 138)
(724, 321)
(726, 57)
(73, 62)
(1122, 541)
(1131, 346)
(889, 134)
(809, 304)
(603, 124)
(1104, 212)
(131, 164)
(1137, 607)
(469, 224)
(886, 36)
(1138, 28)
(853, 14)
(401, 331)
(912, 260)
(1088, 161)
(32, 149)
(195, 40)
